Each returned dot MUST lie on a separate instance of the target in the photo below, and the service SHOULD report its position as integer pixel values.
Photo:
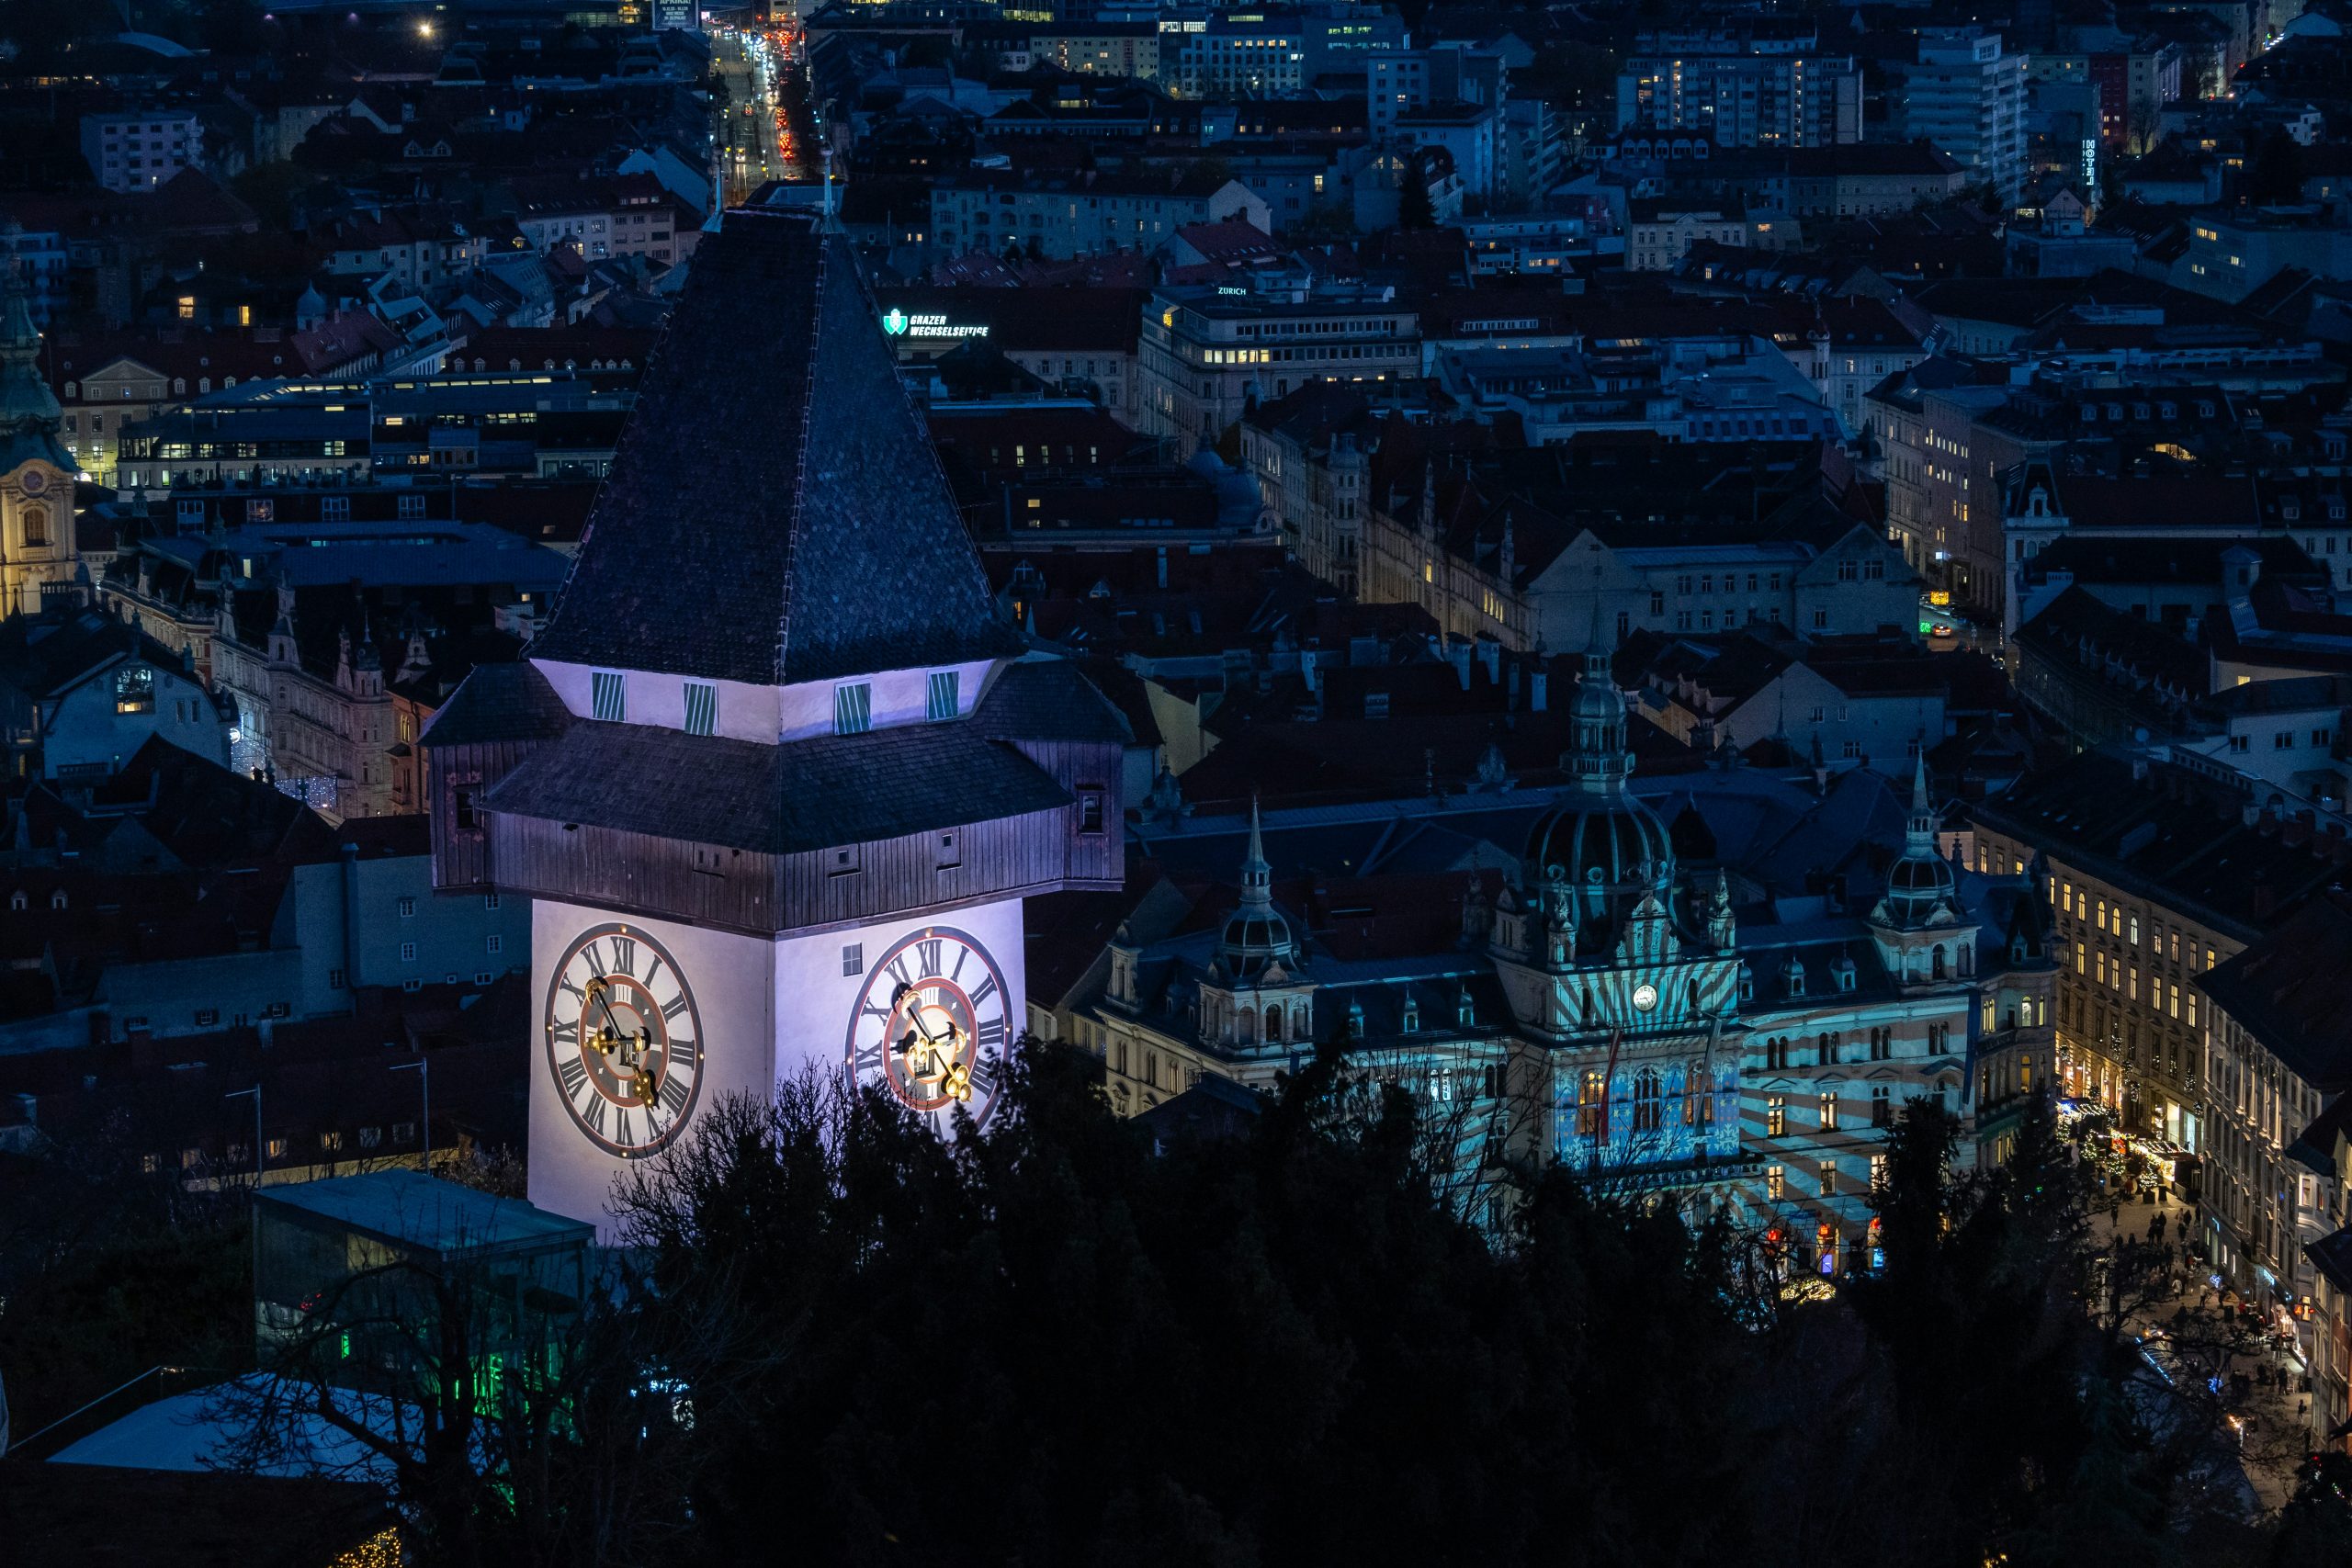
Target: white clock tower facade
(778, 774)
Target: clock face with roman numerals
(931, 1023)
(624, 1040)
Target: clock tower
(778, 774)
(37, 561)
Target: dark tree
(2275, 178)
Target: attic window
(702, 708)
(853, 708)
(607, 695)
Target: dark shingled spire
(775, 511)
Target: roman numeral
(563, 982)
(655, 969)
(566, 1033)
(962, 953)
(991, 1034)
(623, 1132)
(595, 1114)
(868, 1060)
(927, 953)
(674, 1095)
(987, 989)
(897, 971)
(872, 1010)
(674, 1006)
(573, 1073)
(624, 956)
(595, 954)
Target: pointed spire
(1257, 876)
(1919, 835)
(26, 402)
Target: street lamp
(423, 1068)
(255, 1093)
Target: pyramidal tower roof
(775, 511)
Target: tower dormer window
(942, 700)
(853, 708)
(607, 694)
(702, 708)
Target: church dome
(1254, 938)
(1616, 836)
(1600, 843)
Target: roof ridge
(800, 470)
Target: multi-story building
(140, 150)
(1402, 79)
(1760, 87)
(1966, 96)
(81, 692)
(2158, 874)
(332, 642)
(1205, 356)
(1311, 454)
(2278, 1068)
(1061, 217)
(1074, 340)
(1628, 998)
(256, 443)
(1101, 48)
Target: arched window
(16, 900)
(179, 385)
(1935, 962)
(1646, 1102)
(1246, 1025)
(1274, 1023)
(57, 899)
(1592, 1094)
(36, 524)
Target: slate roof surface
(814, 537)
(500, 701)
(1048, 699)
(806, 795)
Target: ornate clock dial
(931, 1023)
(33, 481)
(1645, 995)
(624, 1040)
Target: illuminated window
(1591, 1093)
(1776, 1116)
(1829, 1111)
(134, 689)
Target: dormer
(1409, 1018)
(1793, 976)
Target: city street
(757, 139)
(2269, 1413)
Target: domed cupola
(1257, 934)
(1606, 847)
(1919, 887)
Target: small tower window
(853, 708)
(607, 692)
(942, 700)
(702, 708)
